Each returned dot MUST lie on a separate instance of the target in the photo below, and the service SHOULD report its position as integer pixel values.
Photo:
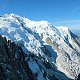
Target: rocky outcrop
(12, 62)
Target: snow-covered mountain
(53, 53)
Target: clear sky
(58, 12)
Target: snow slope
(57, 47)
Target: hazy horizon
(58, 12)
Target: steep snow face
(14, 30)
(58, 47)
(70, 38)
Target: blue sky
(58, 12)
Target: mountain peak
(11, 14)
(46, 46)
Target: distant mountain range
(36, 50)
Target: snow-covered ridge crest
(63, 28)
(57, 47)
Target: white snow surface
(27, 33)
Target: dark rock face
(12, 62)
(78, 78)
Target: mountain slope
(53, 52)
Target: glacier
(54, 50)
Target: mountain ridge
(56, 47)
